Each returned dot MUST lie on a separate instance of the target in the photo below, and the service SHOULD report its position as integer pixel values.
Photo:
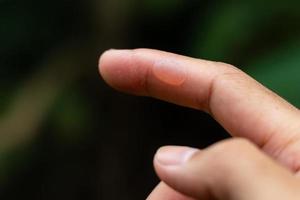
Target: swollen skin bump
(169, 72)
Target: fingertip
(169, 161)
(109, 59)
(118, 69)
(101, 62)
(174, 155)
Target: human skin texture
(261, 161)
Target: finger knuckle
(227, 153)
(233, 146)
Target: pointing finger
(243, 106)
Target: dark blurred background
(64, 134)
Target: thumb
(231, 169)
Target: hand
(262, 165)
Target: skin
(261, 161)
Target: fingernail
(172, 155)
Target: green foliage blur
(64, 134)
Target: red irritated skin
(269, 125)
(170, 72)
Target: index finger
(243, 106)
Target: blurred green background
(64, 134)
